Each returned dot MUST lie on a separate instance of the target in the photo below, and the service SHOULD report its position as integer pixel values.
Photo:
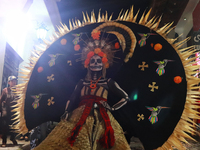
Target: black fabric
(129, 77)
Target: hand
(105, 104)
(65, 116)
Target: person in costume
(91, 125)
(87, 122)
(5, 102)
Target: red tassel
(108, 139)
(74, 134)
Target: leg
(12, 138)
(4, 132)
(4, 140)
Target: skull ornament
(96, 63)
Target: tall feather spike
(119, 16)
(130, 15)
(125, 15)
(146, 16)
(135, 18)
(141, 19)
(99, 16)
(84, 18)
(110, 17)
(106, 16)
(88, 18)
(70, 25)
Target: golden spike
(57, 34)
(130, 15)
(125, 15)
(119, 16)
(88, 18)
(74, 25)
(84, 18)
(24, 70)
(79, 23)
(170, 30)
(122, 16)
(102, 18)
(70, 25)
(24, 73)
(146, 17)
(187, 48)
(135, 18)
(181, 42)
(141, 19)
(61, 30)
(110, 17)
(99, 16)
(93, 19)
(173, 40)
(155, 26)
(66, 28)
(149, 23)
(106, 16)
(167, 28)
(164, 28)
(46, 42)
(76, 22)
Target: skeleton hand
(105, 104)
(65, 116)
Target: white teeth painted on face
(96, 63)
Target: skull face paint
(96, 63)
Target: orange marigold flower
(97, 50)
(95, 34)
(117, 46)
(104, 60)
(77, 47)
(90, 54)
(101, 54)
(87, 61)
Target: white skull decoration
(96, 63)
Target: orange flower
(117, 45)
(157, 47)
(87, 61)
(97, 50)
(177, 79)
(104, 60)
(101, 54)
(90, 54)
(95, 34)
(77, 47)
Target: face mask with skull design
(96, 63)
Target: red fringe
(108, 139)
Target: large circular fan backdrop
(157, 75)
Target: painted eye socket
(92, 61)
(99, 60)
